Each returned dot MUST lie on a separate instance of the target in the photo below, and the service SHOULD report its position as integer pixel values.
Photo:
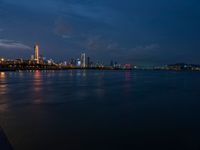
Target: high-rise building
(78, 63)
(36, 49)
(83, 60)
(88, 62)
(32, 57)
(111, 63)
(73, 62)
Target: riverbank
(4, 143)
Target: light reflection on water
(37, 87)
(3, 84)
(3, 91)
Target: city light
(38, 62)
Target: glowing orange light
(2, 75)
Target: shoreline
(98, 69)
(57, 69)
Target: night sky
(128, 31)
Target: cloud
(9, 44)
(140, 54)
(145, 48)
(62, 28)
(92, 11)
(100, 42)
(103, 44)
(114, 49)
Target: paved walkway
(4, 143)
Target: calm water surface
(101, 110)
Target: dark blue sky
(135, 31)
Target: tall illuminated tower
(83, 60)
(36, 48)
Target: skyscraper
(78, 63)
(83, 60)
(88, 62)
(36, 48)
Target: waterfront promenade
(4, 143)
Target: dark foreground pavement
(4, 143)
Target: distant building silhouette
(88, 62)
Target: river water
(100, 110)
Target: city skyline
(37, 61)
(137, 32)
